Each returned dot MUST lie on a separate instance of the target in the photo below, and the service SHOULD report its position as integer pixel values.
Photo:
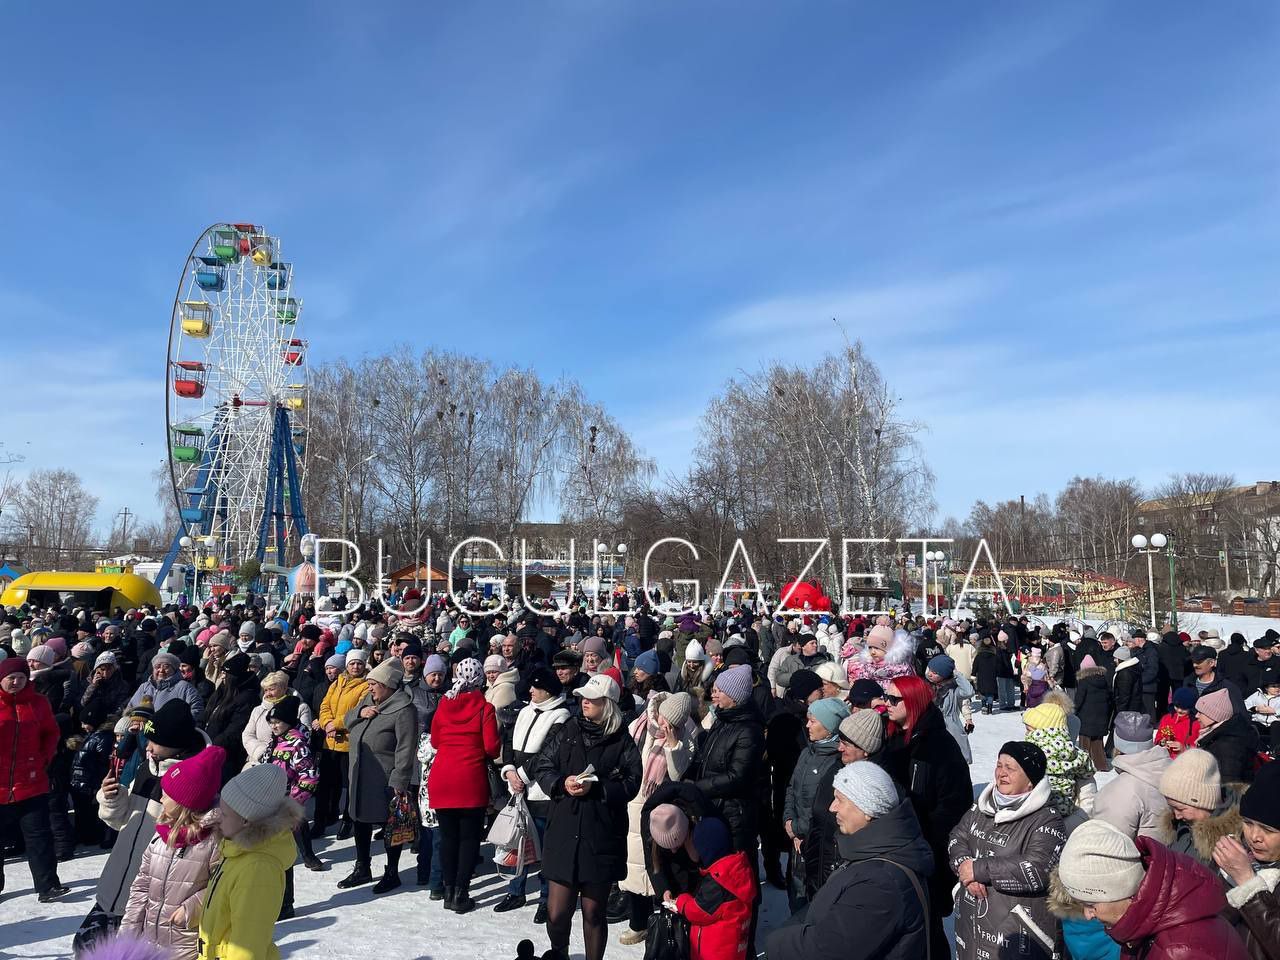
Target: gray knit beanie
(256, 793)
(867, 787)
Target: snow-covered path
(403, 925)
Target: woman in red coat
(464, 732)
(28, 740)
(1155, 903)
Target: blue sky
(1053, 225)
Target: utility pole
(124, 516)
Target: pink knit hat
(1215, 707)
(1088, 663)
(668, 826)
(194, 782)
(879, 636)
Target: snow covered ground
(1226, 624)
(1251, 628)
(403, 925)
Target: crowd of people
(655, 765)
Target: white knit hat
(1100, 864)
(833, 673)
(1193, 779)
(694, 651)
(256, 793)
(42, 654)
(868, 787)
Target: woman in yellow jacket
(244, 894)
(341, 698)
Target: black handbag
(499, 792)
(667, 936)
(97, 927)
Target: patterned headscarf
(467, 675)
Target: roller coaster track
(1066, 590)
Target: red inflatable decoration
(806, 591)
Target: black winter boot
(390, 880)
(360, 875)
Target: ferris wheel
(236, 402)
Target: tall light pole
(197, 544)
(188, 544)
(1158, 540)
(934, 558)
(601, 550)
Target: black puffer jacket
(1014, 850)
(868, 909)
(92, 760)
(1094, 702)
(108, 695)
(1126, 685)
(1234, 744)
(931, 769)
(728, 768)
(308, 677)
(52, 685)
(229, 714)
(586, 839)
(1175, 663)
(1234, 660)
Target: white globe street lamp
(1157, 543)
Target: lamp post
(196, 545)
(934, 558)
(1158, 541)
(188, 544)
(611, 558)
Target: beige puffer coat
(1132, 802)
(169, 878)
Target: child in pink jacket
(165, 897)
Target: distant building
(1236, 528)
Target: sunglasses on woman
(891, 700)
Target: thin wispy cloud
(905, 307)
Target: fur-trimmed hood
(1061, 699)
(1088, 672)
(260, 832)
(1225, 822)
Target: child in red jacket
(1178, 729)
(719, 909)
